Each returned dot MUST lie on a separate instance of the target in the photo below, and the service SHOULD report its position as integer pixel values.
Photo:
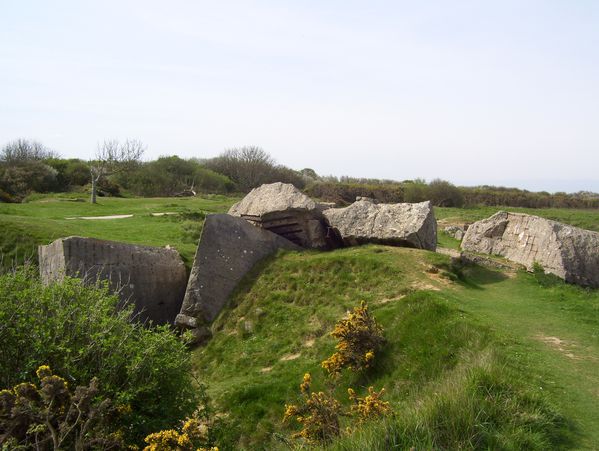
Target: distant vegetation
(444, 194)
(28, 167)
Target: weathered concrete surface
(152, 278)
(411, 225)
(286, 211)
(566, 251)
(229, 247)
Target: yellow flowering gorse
(370, 406)
(193, 435)
(359, 338)
(318, 414)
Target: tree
(25, 150)
(24, 168)
(113, 157)
(248, 166)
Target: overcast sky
(475, 92)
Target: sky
(499, 92)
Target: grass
(25, 226)
(475, 358)
(467, 364)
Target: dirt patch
(420, 285)
(103, 217)
(387, 300)
(309, 343)
(440, 278)
(166, 213)
(267, 369)
(288, 357)
(562, 346)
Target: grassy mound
(447, 375)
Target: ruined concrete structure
(283, 209)
(411, 225)
(152, 278)
(229, 247)
(566, 251)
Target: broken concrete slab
(286, 211)
(229, 247)
(568, 252)
(403, 224)
(151, 278)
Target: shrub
(77, 330)
(20, 178)
(195, 434)
(443, 194)
(318, 413)
(169, 176)
(359, 338)
(370, 406)
(346, 193)
(52, 416)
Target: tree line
(117, 169)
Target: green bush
(78, 332)
(346, 193)
(20, 178)
(168, 176)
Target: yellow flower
(305, 385)
(43, 371)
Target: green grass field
(533, 340)
(24, 226)
(475, 358)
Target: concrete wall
(152, 278)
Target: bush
(21, 178)
(359, 338)
(416, 191)
(169, 176)
(53, 416)
(71, 173)
(443, 194)
(78, 332)
(196, 433)
(346, 193)
(318, 413)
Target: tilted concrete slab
(229, 247)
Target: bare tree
(25, 150)
(113, 157)
(248, 166)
